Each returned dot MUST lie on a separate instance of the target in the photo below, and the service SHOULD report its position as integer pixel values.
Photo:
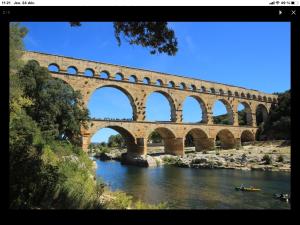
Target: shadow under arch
(248, 111)
(170, 100)
(229, 109)
(202, 106)
(247, 136)
(261, 112)
(200, 139)
(124, 91)
(226, 138)
(168, 138)
(129, 138)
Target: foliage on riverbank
(47, 167)
(121, 200)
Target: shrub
(280, 158)
(141, 205)
(119, 200)
(267, 159)
(170, 160)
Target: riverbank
(264, 156)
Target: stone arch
(133, 79)
(53, 65)
(221, 91)
(248, 112)
(247, 136)
(171, 84)
(228, 109)
(193, 87)
(89, 72)
(200, 139)
(254, 97)
(146, 80)
(202, 106)
(265, 98)
(274, 100)
(229, 93)
(72, 70)
(182, 86)
(104, 74)
(203, 89)
(128, 94)
(248, 96)
(261, 116)
(169, 140)
(127, 135)
(170, 100)
(226, 139)
(259, 98)
(119, 76)
(270, 99)
(163, 132)
(236, 94)
(212, 90)
(243, 95)
(159, 82)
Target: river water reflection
(186, 188)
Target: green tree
(16, 33)
(242, 116)
(155, 137)
(221, 119)
(278, 123)
(155, 35)
(56, 106)
(116, 141)
(189, 142)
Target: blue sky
(253, 55)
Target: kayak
(247, 189)
(283, 197)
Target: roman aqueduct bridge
(138, 84)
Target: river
(185, 188)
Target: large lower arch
(247, 136)
(128, 95)
(200, 139)
(226, 139)
(171, 103)
(201, 103)
(172, 145)
(129, 139)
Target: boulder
(138, 160)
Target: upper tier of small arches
(104, 74)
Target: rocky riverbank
(265, 156)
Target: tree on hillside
(155, 35)
(221, 119)
(278, 124)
